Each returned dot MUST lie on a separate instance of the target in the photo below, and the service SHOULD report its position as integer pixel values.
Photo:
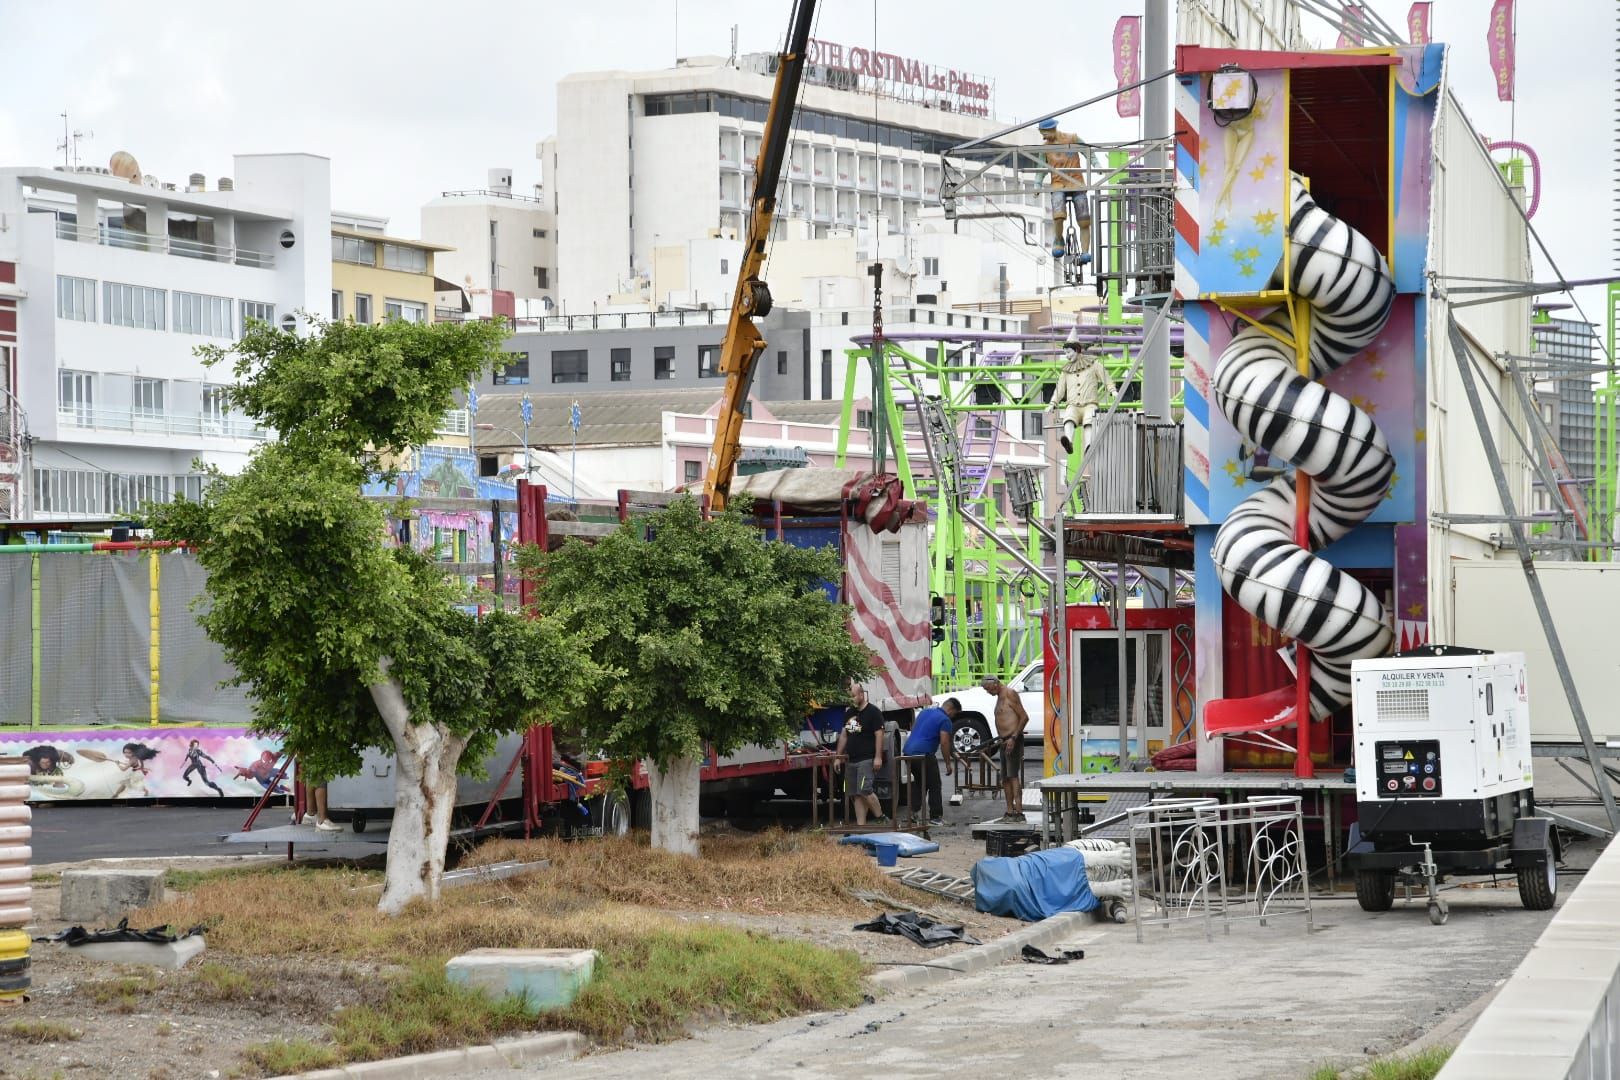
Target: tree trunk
(675, 805)
(426, 758)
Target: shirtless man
(1011, 719)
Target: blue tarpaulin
(906, 842)
(1033, 886)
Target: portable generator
(1443, 778)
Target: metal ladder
(932, 881)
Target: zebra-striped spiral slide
(1347, 283)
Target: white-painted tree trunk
(675, 804)
(426, 758)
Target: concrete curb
(509, 1054)
(1058, 928)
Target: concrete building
(643, 160)
(805, 356)
(376, 276)
(1574, 406)
(115, 280)
(500, 247)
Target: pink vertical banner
(1417, 23)
(1499, 40)
(1349, 38)
(1127, 68)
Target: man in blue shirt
(929, 732)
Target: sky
(409, 99)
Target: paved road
(65, 832)
(1267, 1002)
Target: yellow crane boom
(752, 298)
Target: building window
(570, 366)
(539, 234)
(692, 472)
(362, 308)
(404, 310)
(930, 266)
(352, 249)
(411, 260)
(863, 419)
(198, 313)
(826, 374)
(337, 306)
(781, 361)
(708, 361)
(76, 390)
(133, 305)
(76, 298)
(516, 371)
(266, 313)
(147, 398)
(664, 362)
(542, 277)
(1034, 425)
(725, 266)
(215, 409)
(620, 370)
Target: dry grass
(40, 1031)
(655, 975)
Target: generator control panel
(1409, 769)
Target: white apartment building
(115, 284)
(503, 247)
(651, 159)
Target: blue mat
(907, 843)
(1033, 886)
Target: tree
(344, 643)
(714, 637)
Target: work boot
(1066, 440)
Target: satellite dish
(124, 166)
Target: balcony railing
(131, 240)
(143, 422)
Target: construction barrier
(98, 634)
(16, 892)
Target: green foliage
(305, 599)
(356, 387)
(1423, 1065)
(712, 634)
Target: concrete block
(98, 897)
(172, 955)
(545, 978)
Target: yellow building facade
(377, 277)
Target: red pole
(1302, 656)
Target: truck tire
(969, 733)
(1375, 889)
(1538, 885)
(609, 813)
(641, 809)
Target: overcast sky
(410, 98)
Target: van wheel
(1375, 889)
(970, 734)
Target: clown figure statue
(1078, 391)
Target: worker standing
(1069, 194)
(860, 743)
(930, 732)
(1079, 390)
(1011, 720)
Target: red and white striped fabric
(886, 583)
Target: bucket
(887, 854)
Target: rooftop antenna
(731, 61)
(70, 143)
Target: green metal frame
(1606, 495)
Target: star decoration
(1422, 435)
(1266, 220)
(1393, 481)
(1203, 146)
(1238, 480)
(1379, 374)
(1415, 610)
(1268, 161)
(1246, 269)
(1230, 468)
(1258, 173)
(1358, 401)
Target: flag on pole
(1350, 37)
(573, 417)
(527, 409)
(472, 400)
(1127, 64)
(1417, 23)
(1499, 41)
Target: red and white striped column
(16, 894)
